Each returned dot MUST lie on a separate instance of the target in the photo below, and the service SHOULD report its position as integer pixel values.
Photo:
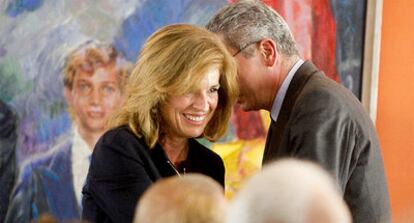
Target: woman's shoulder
(118, 143)
(199, 150)
(121, 136)
(206, 161)
(120, 133)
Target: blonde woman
(182, 87)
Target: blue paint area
(155, 14)
(35, 212)
(16, 7)
(350, 25)
(144, 21)
(60, 124)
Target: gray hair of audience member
(289, 191)
(186, 199)
(245, 22)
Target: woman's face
(186, 116)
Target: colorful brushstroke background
(36, 35)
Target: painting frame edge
(371, 60)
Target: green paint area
(55, 108)
(11, 79)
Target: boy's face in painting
(93, 97)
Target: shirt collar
(81, 154)
(80, 149)
(277, 103)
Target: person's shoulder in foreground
(186, 199)
(289, 191)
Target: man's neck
(90, 137)
(283, 66)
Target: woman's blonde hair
(172, 62)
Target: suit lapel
(276, 129)
(58, 185)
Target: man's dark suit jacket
(8, 167)
(322, 121)
(46, 186)
(123, 167)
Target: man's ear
(268, 51)
(68, 95)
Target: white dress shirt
(81, 154)
(277, 103)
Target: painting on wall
(38, 35)
(37, 38)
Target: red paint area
(314, 29)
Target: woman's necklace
(183, 154)
(175, 169)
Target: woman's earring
(153, 112)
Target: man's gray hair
(249, 21)
(289, 191)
